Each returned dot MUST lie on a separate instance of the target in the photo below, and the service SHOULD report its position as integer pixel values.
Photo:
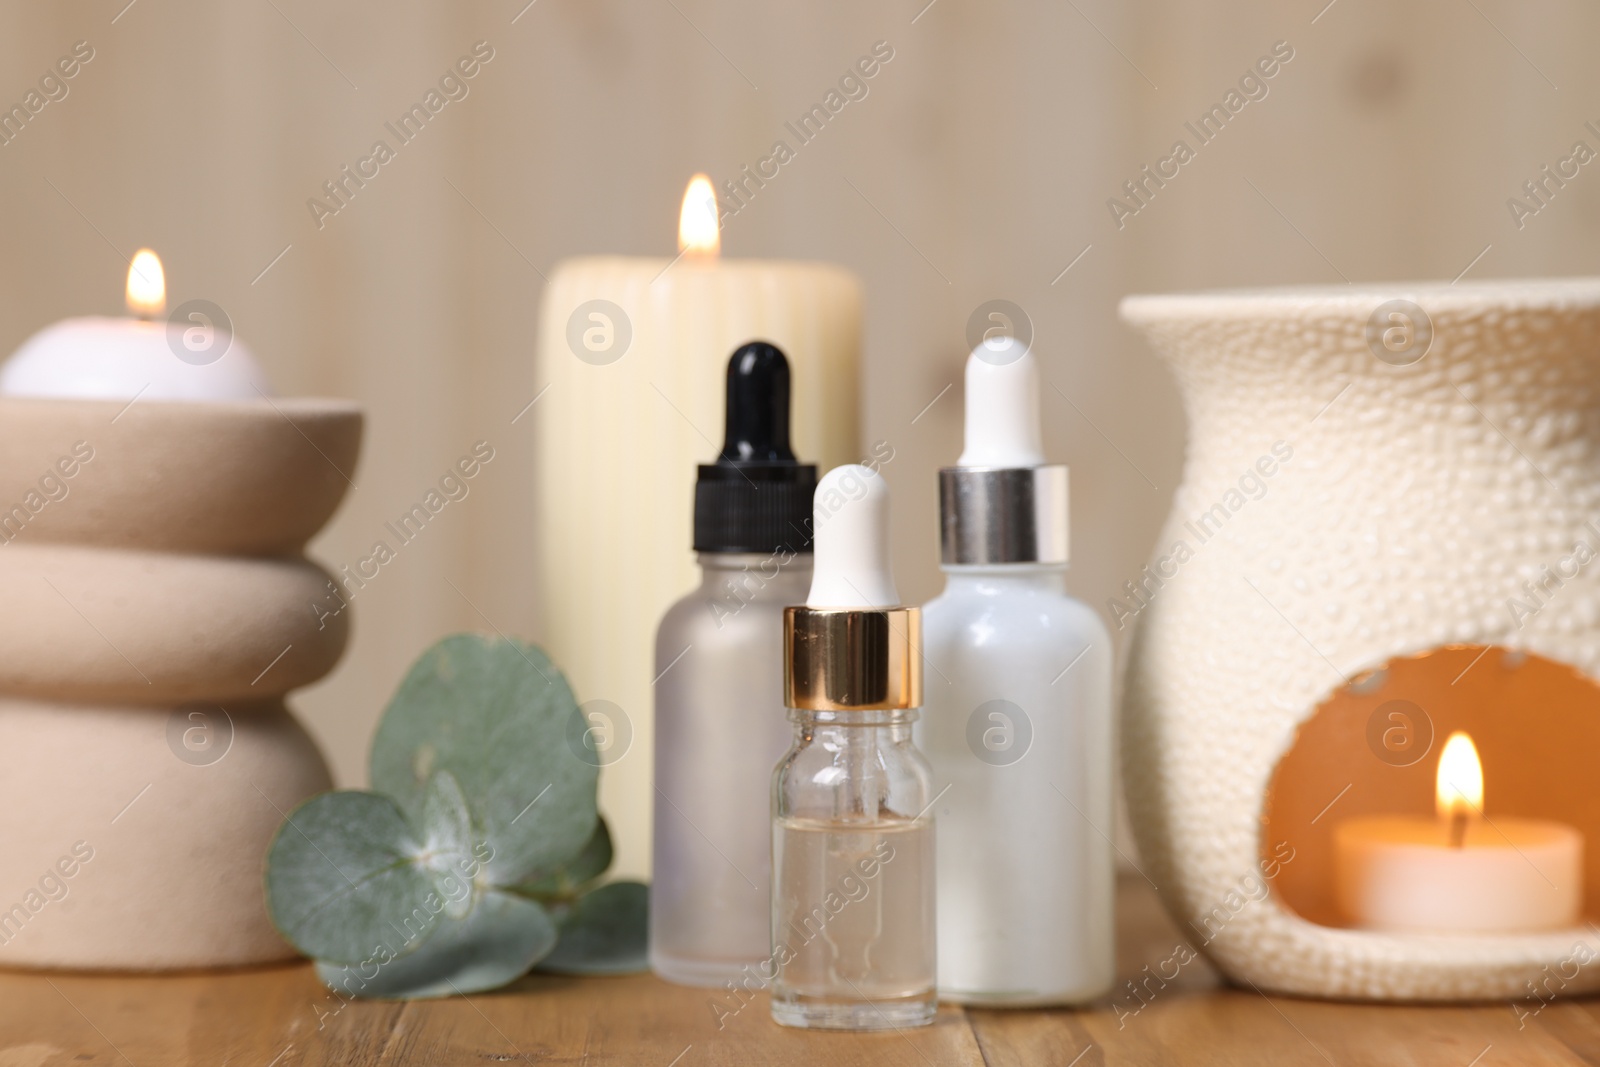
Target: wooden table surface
(281, 1017)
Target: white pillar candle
(631, 363)
(195, 357)
(1458, 873)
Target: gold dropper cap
(852, 646)
(852, 659)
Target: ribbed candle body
(632, 402)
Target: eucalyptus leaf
(605, 932)
(494, 713)
(583, 868)
(343, 878)
(500, 938)
(448, 852)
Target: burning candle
(628, 397)
(193, 356)
(1458, 872)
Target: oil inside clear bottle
(853, 922)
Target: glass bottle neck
(765, 576)
(738, 561)
(806, 719)
(997, 578)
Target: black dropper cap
(756, 497)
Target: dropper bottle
(852, 834)
(1018, 722)
(719, 724)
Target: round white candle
(1458, 872)
(1401, 873)
(102, 358)
(627, 406)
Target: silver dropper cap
(1003, 515)
(1002, 503)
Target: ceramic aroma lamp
(1382, 537)
(153, 512)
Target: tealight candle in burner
(1460, 872)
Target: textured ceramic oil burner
(158, 608)
(1383, 535)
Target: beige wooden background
(978, 167)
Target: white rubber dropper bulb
(1002, 407)
(851, 567)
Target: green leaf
(497, 942)
(606, 932)
(396, 895)
(448, 852)
(343, 877)
(573, 875)
(495, 714)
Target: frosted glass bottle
(720, 727)
(720, 721)
(1017, 724)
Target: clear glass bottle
(853, 920)
(853, 874)
(720, 727)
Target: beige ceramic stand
(1373, 475)
(158, 608)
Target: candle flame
(1458, 788)
(697, 221)
(147, 285)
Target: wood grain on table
(282, 1017)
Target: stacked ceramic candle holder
(159, 609)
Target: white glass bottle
(1018, 724)
(720, 722)
(853, 939)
